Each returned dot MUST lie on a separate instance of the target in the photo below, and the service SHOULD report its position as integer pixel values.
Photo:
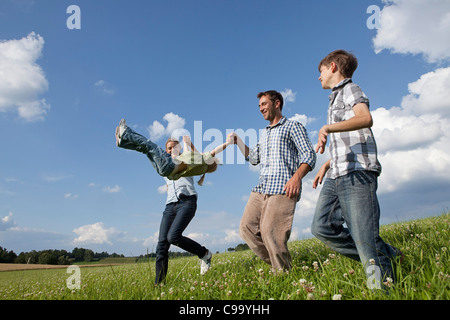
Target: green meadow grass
(318, 273)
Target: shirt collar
(279, 123)
(341, 84)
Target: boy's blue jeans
(176, 218)
(352, 199)
(159, 158)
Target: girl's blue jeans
(159, 158)
(352, 199)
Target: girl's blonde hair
(172, 140)
(211, 168)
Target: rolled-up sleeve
(253, 156)
(303, 144)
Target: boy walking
(349, 192)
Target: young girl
(189, 163)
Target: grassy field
(318, 273)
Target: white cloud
(413, 139)
(174, 122)
(430, 94)
(416, 27)
(288, 95)
(303, 119)
(307, 205)
(7, 192)
(253, 168)
(306, 231)
(294, 234)
(56, 177)
(7, 222)
(114, 189)
(22, 80)
(70, 196)
(198, 236)
(95, 233)
(175, 125)
(421, 166)
(104, 87)
(156, 131)
(212, 229)
(24, 239)
(398, 130)
(151, 241)
(162, 189)
(232, 236)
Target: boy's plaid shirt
(350, 150)
(280, 151)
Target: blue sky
(166, 65)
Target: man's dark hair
(273, 96)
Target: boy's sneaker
(120, 130)
(205, 262)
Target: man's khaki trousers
(266, 226)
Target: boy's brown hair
(273, 96)
(345, 61)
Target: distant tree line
(239, 247)
(63, 257)
(59, 257)
(172, 254)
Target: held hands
(186, 139)
(232, 138)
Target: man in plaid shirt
(285, 155)
(349, 192)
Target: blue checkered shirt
(280, 151)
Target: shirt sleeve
(354, 95)
(253, 155)
(303, 144)
(208, 158)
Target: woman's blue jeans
(352, 199)
(159, 158)
(176, 218)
